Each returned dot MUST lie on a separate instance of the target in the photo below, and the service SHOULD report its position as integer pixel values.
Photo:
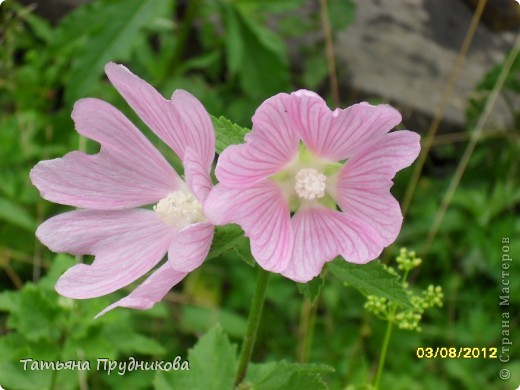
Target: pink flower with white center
(304, 203)
(129, 172)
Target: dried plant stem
(253, 321)
(464, 136)
(442, 105)
(17, 281)
(474, 138)
(329, 45)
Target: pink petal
(321, 234)
(151, 291)
(263, 214)
(127, 172)
(271, 145)
(189, 248)
(338, 135)
(197, 176)
(181, 122)
(363, 186)
(126, 243)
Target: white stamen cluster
(179, 209)
(310, 184)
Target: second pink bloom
(310, 184)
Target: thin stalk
(17, 281)
(307, 326)
(54, 375)
(384, 349)
(416, 174)
(386, 341)
(475, 137)
(253, 321)
(329, 45)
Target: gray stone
(404, 51)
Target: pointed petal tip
(130, 303)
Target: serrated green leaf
(9, 301)
(230, 237)
(212, 365)
(283, 375)
(59, 265)
(243, 249)
(371, 278)
(228, 133)
(13, 346)
(12, 213)
(36, 317)
(312, 289)
(118, 26)
(306, 381)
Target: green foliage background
(228, 55)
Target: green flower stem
(384, 349)
(253, 321)
(54, 375)
(386, 341)
(307, 325)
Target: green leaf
(198, 319)
(212, 365)
(9, 301)
(13, 346)
(315, 70)
(228, 133)
(283, 375)
(312, 289)
(306, 381)
(230, 237)
(234, 43)
(12, 376)
(39, 26)
(58, 266)
(118, 26)
(371, 278)
(260, 58)
(36, 317)
(341, 13)
(127, 340)
(270, 6)
(14, 214)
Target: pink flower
(304, 204)
(129, 172)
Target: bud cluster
(404, 317)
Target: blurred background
(450, 66)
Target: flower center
(179, 209)
(310, 184)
